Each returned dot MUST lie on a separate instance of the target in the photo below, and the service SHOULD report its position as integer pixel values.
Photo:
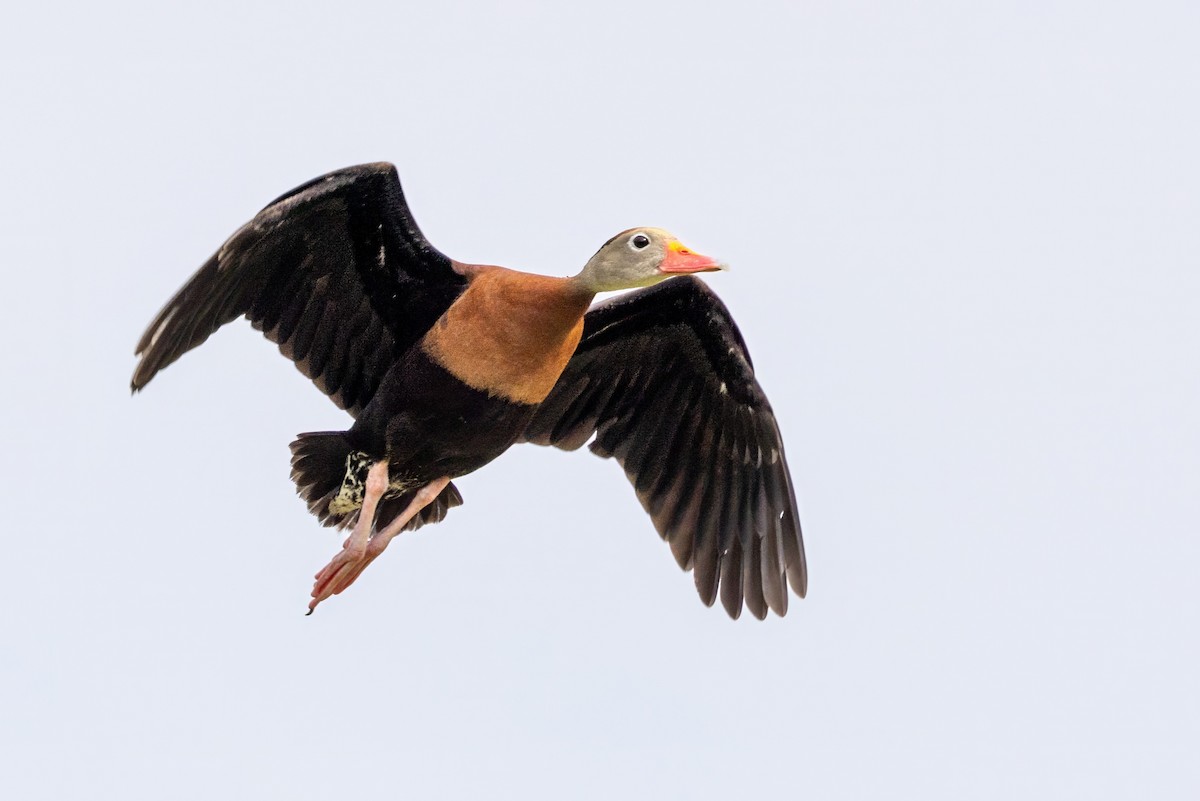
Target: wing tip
(799, 582)
(140, 378)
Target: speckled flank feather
(330, 476)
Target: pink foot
(339, 574)
(344, 569)
(350, 561)
(362, 547)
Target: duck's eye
(639, 241)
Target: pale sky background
(966, 250)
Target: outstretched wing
(335, 272)
(663, 380)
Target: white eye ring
(639, 242)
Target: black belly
(430, 424)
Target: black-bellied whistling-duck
(446, 365)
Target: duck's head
(640, 257)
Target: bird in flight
(445, 365)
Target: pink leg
(343, 570)
(379, 542)
(355, 546)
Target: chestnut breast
(509, 334)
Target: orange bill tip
(680, 259)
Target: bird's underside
(443, 366)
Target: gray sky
(965, 252)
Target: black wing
(663, 380)
(335, 272)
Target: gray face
(629, 260)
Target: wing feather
(752, 588)
(663, 381)
(731, 580)
(335, 272)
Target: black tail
(318, 468)
(319, 465)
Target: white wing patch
(162, 327)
